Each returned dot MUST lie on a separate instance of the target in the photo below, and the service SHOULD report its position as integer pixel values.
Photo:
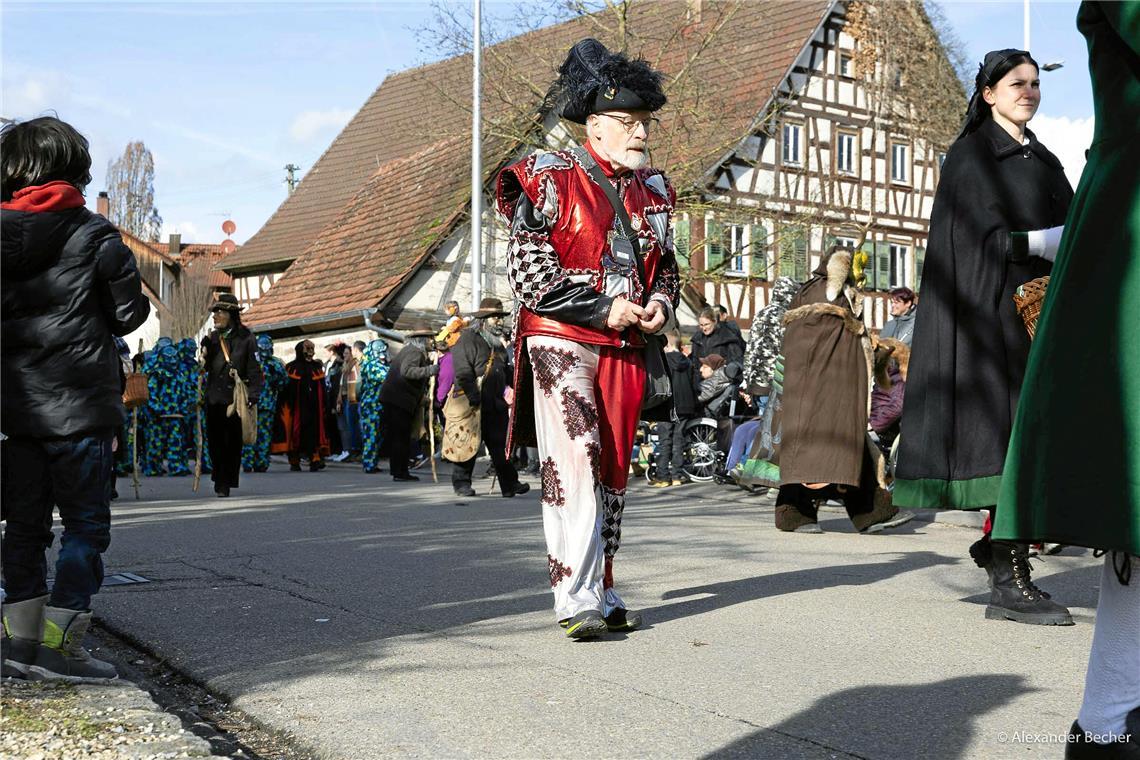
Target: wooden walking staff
(135, 441)
(198, 430)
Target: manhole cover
(123, 579)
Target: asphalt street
(374, 619)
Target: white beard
(632, 159)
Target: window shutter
(681, 242)
(758, 248)
(714, 244)
(882, 266)
(801, 253)
(919, 257)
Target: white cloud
(309, 124)
(1067, 139)
(188, 230)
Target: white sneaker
(340, 457)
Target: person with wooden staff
(230, 345)
(477, 408)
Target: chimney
(175, 244)
(103, 205)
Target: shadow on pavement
(934, 720)
(763, 586)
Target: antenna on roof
(290, 179)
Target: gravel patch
(114, 721)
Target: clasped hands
(625, 313)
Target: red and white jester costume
(579, 383)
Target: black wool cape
(970, 346)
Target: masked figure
(255, 457)
(373, 371)
(302, 411)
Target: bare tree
(189, 302)
(130, 185)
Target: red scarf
(54, 196)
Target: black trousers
(857, 500)
(504, 470)
(670, 449)
(398, 434)
(224, 437)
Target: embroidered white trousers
(587, 400)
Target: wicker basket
(1029, 299)
(136, 393)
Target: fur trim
(898, 351)
(880, 463)
(850, 323)
(838, 271)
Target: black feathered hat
(592, 80)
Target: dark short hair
(360, 345)
(905, 294)
(721, 309)
(39, 151)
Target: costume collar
(1003, 144)
(54, 196)
(607, 168)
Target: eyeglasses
(632, 124)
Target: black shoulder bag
(658, 389)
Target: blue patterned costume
(189, 402)
(255, 458)
(163, 416)
(373, 370)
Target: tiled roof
(748, 48)
(379, 238)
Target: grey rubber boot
(23, 631)
(61, 656)
(1014, 596)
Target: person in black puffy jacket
(68, 285)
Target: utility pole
(476, 165)
(1025, 24)
(291, 179)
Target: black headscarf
(996, 65)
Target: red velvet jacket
(561, 227)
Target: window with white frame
(845, 242)
(845, 159)
(734, 248)
(900, 265)
(846, 67)
(900, 162)
(791, 142)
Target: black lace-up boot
(1012, 593)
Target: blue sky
(226, 94)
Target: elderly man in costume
(590, 285)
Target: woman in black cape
(995, 224)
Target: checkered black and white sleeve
(538, 279)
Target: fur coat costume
(827, 371)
